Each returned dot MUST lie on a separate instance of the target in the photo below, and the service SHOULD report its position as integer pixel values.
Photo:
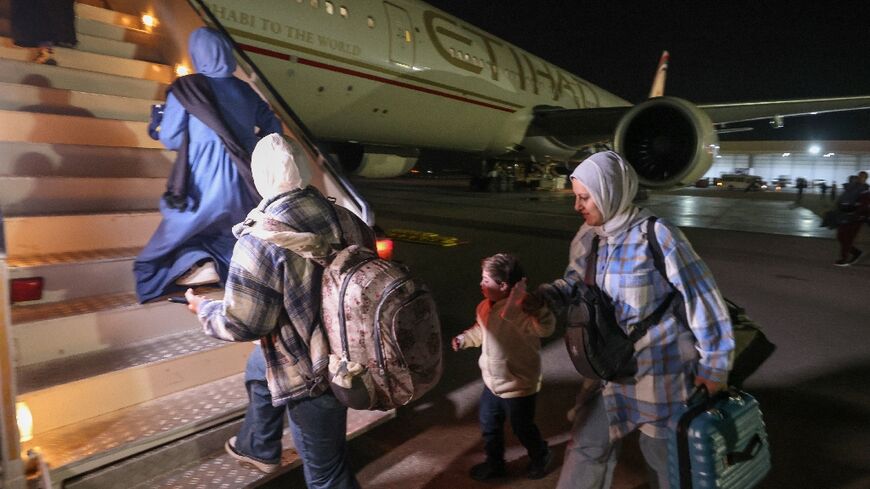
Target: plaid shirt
(273, 294)
(669, 355)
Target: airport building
(831, 161)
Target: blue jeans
(318, 426)
(521, 413)
(591, 457)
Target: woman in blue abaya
(213, 120)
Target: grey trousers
(591, 457)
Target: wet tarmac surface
(766, 254)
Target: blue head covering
(212, 53)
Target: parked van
(735, 181)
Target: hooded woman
(690, 344)
(210, 118)
(273, 295)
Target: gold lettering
(429, 18)
(563, 82)
(520, 69)
(488, 42)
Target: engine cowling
(669, 142)
(374, 161)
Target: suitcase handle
(752, 449)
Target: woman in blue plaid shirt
(691, 345)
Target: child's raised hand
(515, 300)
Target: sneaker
(230, 447)
(856, 255)
(487, 470)
(537, 469)
(842, 263)
(199, 275)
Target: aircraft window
(315, 3)
(371, 22)
(407, 36)
(329, 8)
(342, 11)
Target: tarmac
(767, 253)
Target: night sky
(721, 51)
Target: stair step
(27, 196)
(83, 60)
(218, 469)
(78, 274)
(46, 100)
(101, 382)
(114, 32)
(52, 331)
(36, 235)
(100, 441)
(72, 160)
(68, 129)
(119, 49)
(106, 16)
(26, 73)
(54, 373)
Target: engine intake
(668, 141)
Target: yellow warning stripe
(423, 237)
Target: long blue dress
(218, 195)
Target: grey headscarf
(612, 184)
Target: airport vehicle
(740, 181)
(373, 80)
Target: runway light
(181, 70)
(814, 149)
(785, 155)
(827, 155)
(25, 421)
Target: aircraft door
(401, 35)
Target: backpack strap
(656, 247)
(592, 262)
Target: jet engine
(374, 161)
(669, 142)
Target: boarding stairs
(121, 394)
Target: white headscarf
(612, 185)
(275, 169)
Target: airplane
(377, 81)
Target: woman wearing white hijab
(690, 345)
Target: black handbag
(597, 345)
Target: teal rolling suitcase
(719, 442)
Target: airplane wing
(776, 110)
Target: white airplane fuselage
(401, 73)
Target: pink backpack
(383, 331)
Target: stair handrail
(298, 127)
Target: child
(510, 363)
